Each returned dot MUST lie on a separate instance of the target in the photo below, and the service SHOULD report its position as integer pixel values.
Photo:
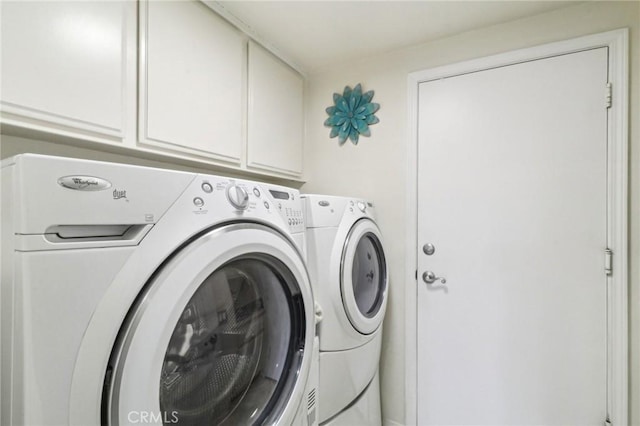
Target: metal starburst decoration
(352, 114)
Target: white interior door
(512, 181)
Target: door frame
(617, 42)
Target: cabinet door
(275, 133)
(65, 65)
(192, 80)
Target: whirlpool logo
(84, 183)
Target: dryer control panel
(328, 210)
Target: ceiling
(312, 35)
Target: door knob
(429, 278)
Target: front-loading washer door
(364, 277)
(221, 335)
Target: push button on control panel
(206, 187)
(290, 211)
(198, 202)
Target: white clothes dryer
(348, 269)
(148, 296)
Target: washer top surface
(51, 192)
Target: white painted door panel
(64, 62)
(193, 80)
(276, 110)
(512, 192)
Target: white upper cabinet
(150, 78)
(67, 66)
(276, 120)
(192, 80)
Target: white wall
(376, 168)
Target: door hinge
(416, 275)
(608, 95)
(608, 261)
(608, 422)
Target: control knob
(237, 196)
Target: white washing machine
(348, 271)
(134, 295)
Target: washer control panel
(288, 203)
(250, 199)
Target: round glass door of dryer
(364, 277)
(220, 342)
(368, 275)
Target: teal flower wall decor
(351, 115)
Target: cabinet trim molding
(266, 167)
(31, 117)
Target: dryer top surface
(333, 211)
